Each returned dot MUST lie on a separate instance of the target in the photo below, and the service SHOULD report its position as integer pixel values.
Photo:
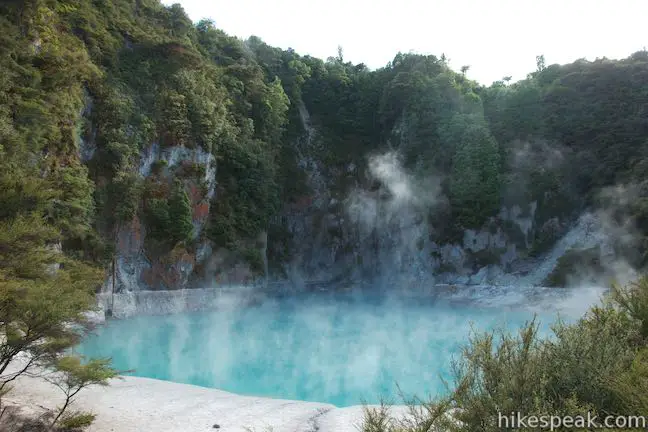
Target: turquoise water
(339, 351)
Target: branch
(15, 375)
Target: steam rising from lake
(341, 349)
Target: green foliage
(168, 219)
(157, 218)
(152, 76)
(181, 226)
(631, 386)
(174, 125)
(71, 376)
(193, 171)
(587, 107)
(475, 179)
(46, 196)
(77, 420)
(378, 419)
(633, 300)
(25, 252)
(126, 192)
(73, 211)
(253, 257)
(249, 194)
(21, 190)
(158, 166)
(38, 304)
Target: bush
(378, 419)
(180, 222)
(192, 170)
(77, 420)
(169, 221)
(157, 218)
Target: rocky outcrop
(189, 264)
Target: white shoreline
(134, 404)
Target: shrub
(169, 221)
(192, 170)
(157, 218)
(77, 420)
(180, 217)
(71, 376)
(630, 387)
(378, 419)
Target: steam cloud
(318, 348)
(391, 223)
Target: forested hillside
(93, 93)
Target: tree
(180, 225)
(174, 124)
(475, 178)
(180, 24)
(38, 302)
(71, 376)
(158, 219)
(540, 63)
(73, 210)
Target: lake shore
(133, 404)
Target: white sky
(496, 38)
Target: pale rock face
(87, 148)
(480, 278)
(509, 256)
(487, 275)
(203, 251)
(453, 255)
(57, 249)
(525, 223)
(134, 270)
(148, 157)
(476, 241)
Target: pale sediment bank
(135, 303)
(132, 404)
(132, 303)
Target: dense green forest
(126, 74)
(121, 75)
(154, 76)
